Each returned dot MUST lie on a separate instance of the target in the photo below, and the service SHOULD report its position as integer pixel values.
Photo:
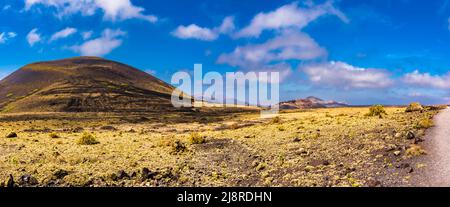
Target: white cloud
(6, 36)
(33, 37)
(110, 40)
(290, 45)
(6, 7)
(227, 26)
(194, 31)
(12, 34)
(63, 34)
(87, 35)
(448, 23)
(289, 16)
(343, 75)
(113, 10)
(427, 80)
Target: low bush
(416, 106)
(377, 110)
(196, 138)
(415, 150)
(87, 139)
(425, 123)
(53, 135)
(178, 147)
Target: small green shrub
(416, 106)
(415, 150)
(377, 110)
(54, 135)
(275, 120)
(178, 147)
(196, 138)
(425, 123)
(87, 139)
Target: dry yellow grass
(323, 147)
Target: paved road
(437, 170)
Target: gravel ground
(436, 172)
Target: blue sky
(356, 51)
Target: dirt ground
(320, 147)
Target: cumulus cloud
(109, 40)
(112, 10)
(346, 76)
(63, 34)
(428, 80)
(6, 36)
(290, 45)
(194, 31)
(33, 37)
(289, 16)
(87, 35)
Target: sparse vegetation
(178, 147)
(377, 110)
(54, 135)
(196, 138)
(87, 139)
(414, 107)
(425, 123)
(415, 150)
(320, 147)
(275, 120)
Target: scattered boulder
(11, 135)
(143, 119)
(108, 128)
(418, 140)
(60, 174)
(178, 147)
(10, 183)
(78, 130)
(373, 183)
(397, 153)
(296, 139)
(114, 177)
(410, 169)
(147, 174)
(403, 165)
(410, 135)
(27, 179)
(133, 174)
(122, 175)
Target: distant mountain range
(310, 102)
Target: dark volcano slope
(83, 84)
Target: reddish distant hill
(310, 103)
